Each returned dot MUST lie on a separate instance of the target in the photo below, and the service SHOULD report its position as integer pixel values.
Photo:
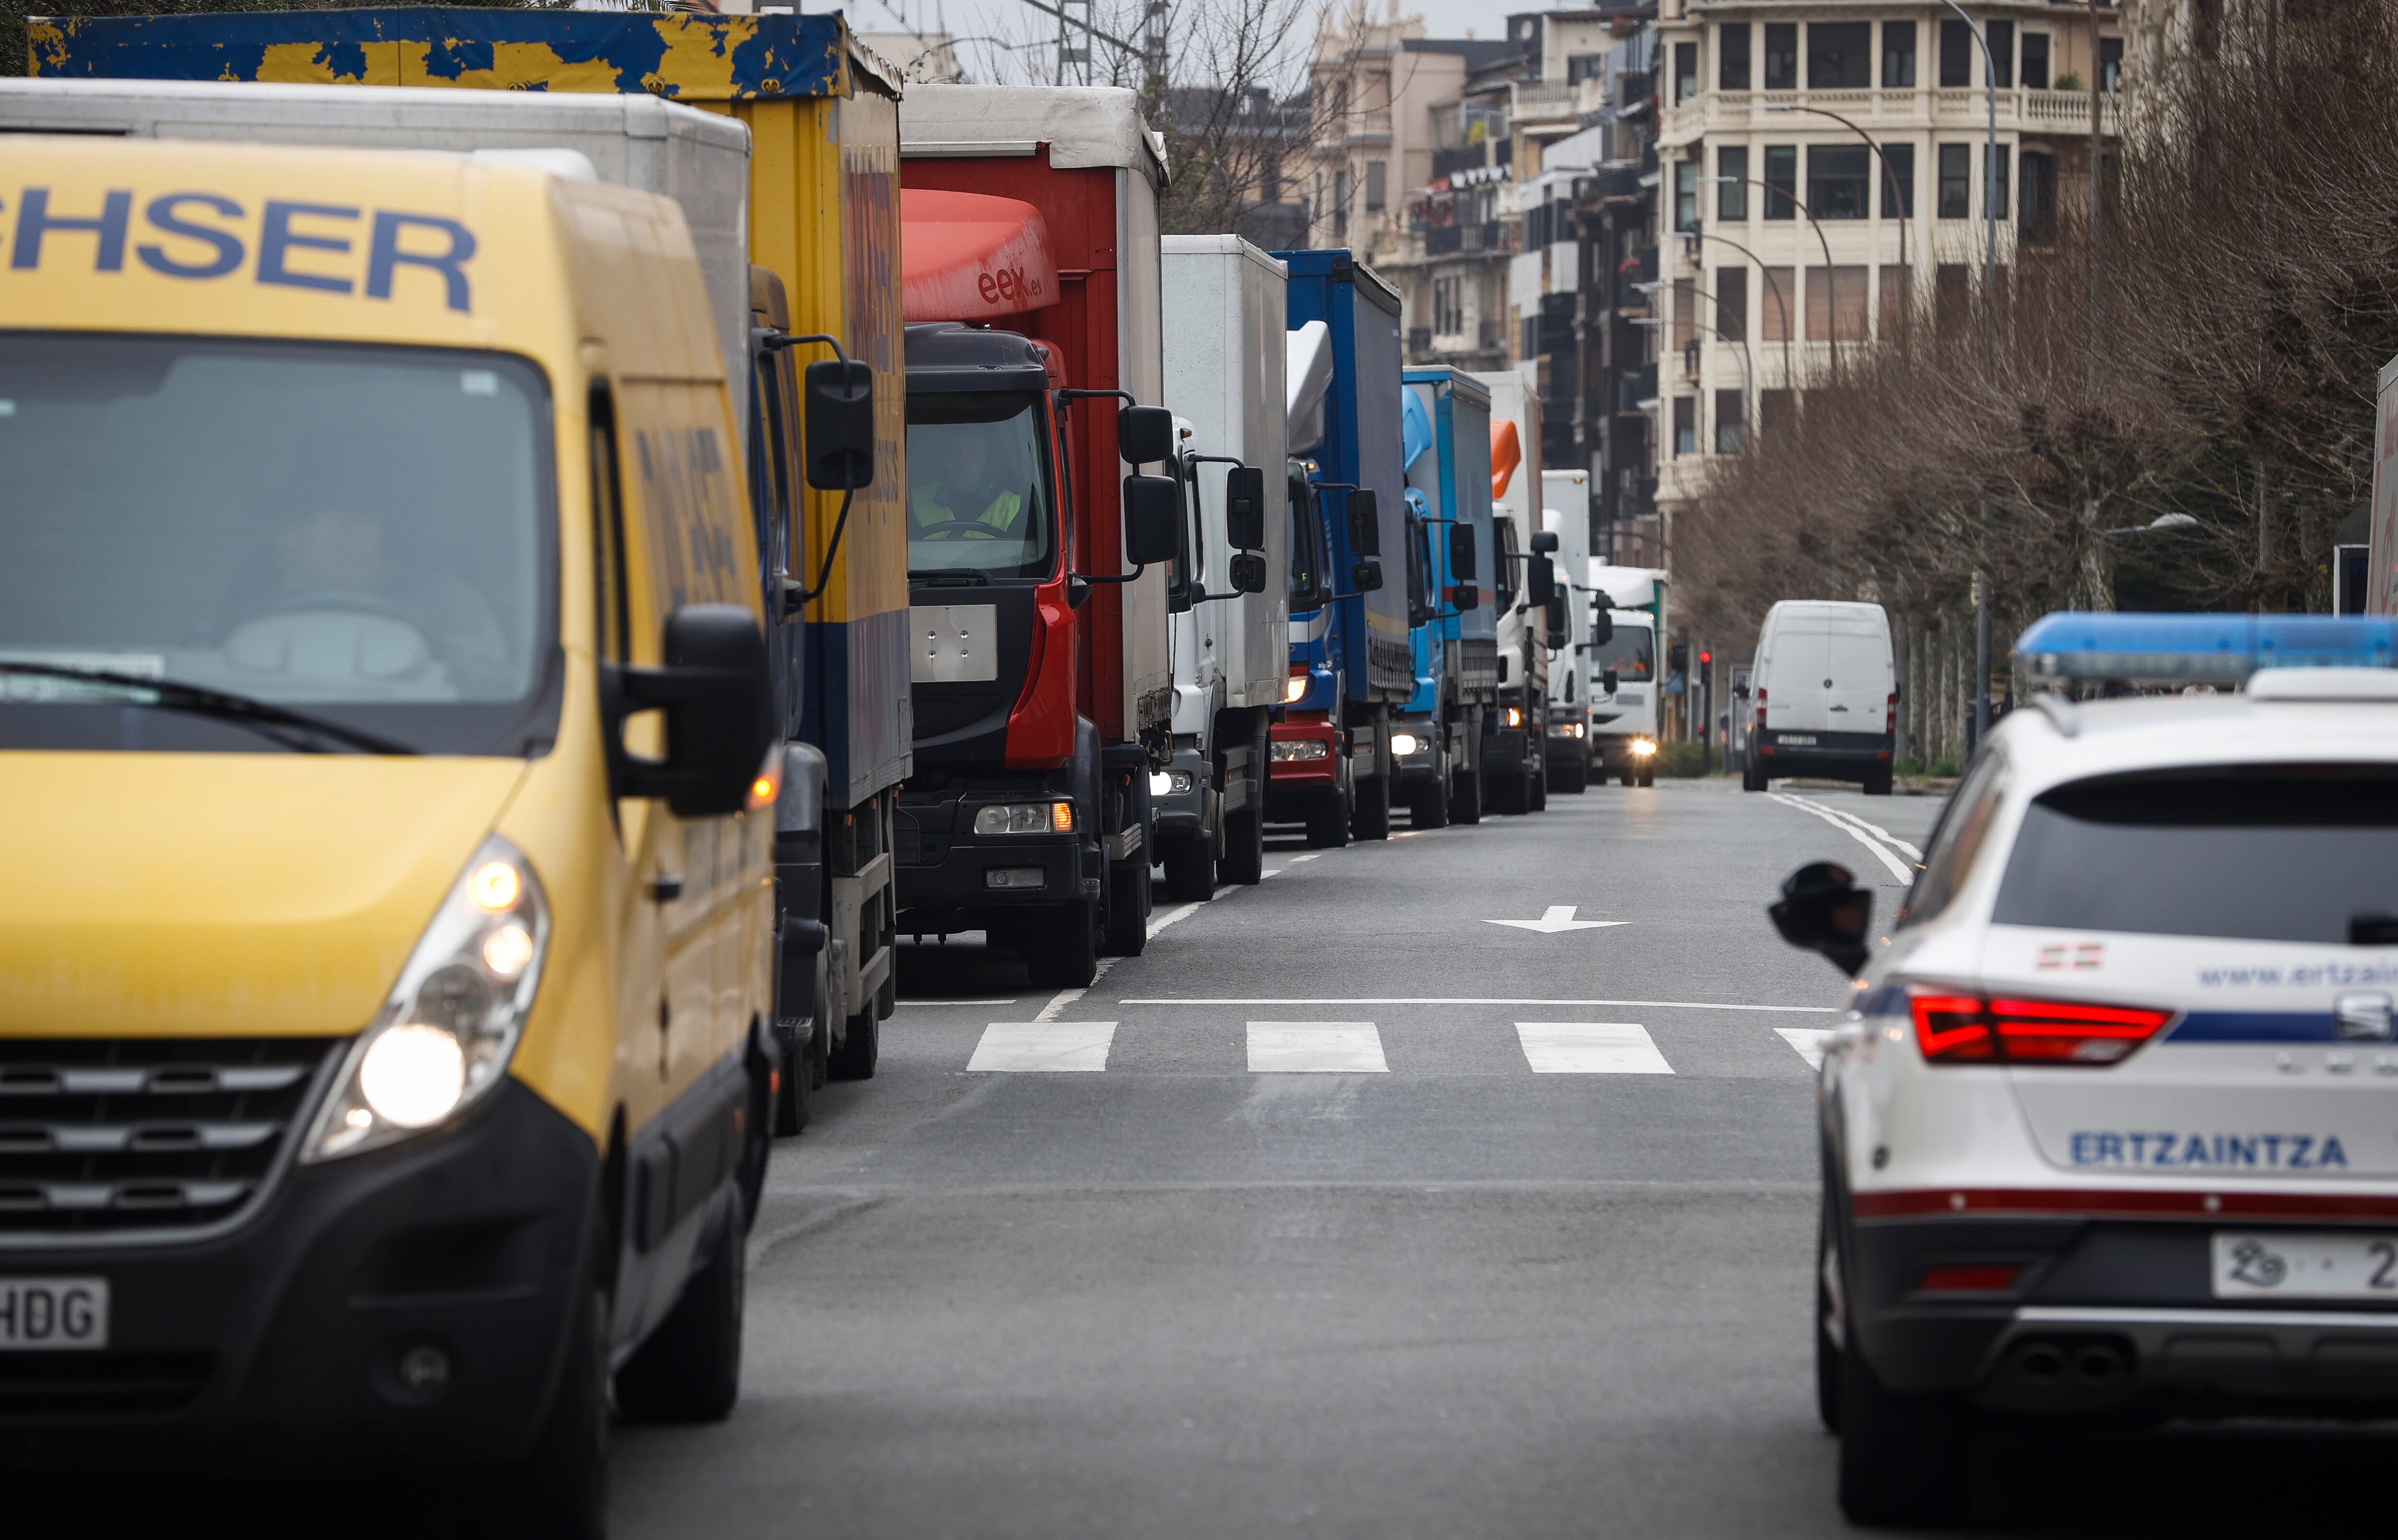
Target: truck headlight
(1404, 743)
(1643, 747)
(1295, 690)
(443, 1039)
(1025, 817)
(1302, 748)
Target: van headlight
(443, 1039)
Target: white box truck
(1514, 769)
(1623, 704)
(1564, 514)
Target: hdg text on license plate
(51, 1314)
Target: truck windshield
(979, 487)
(1628, 653)
(365, 534)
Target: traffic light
(1705, 659)
(1677, 656)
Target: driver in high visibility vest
(961, 503)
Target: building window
(1732, 183)
(1686, 195)
(1448, 307)
(1685, 71)
(2035, 60)
(1686, 425)
(1777, 302)
(1898, 182)
(1781, 180)
(1897, 299)
(1340, 203)
(1375, 179)
(1731, 303)
(1732, 57)
(2111, 63)
(1836, 180)
(1955, 55)
(1686, 313)
(2002, 51)
(1956, 181)
(1781, 56)
(1835, 304)
(1998, 197)
(1731, 422)
(1898, 54)
(2038, 211)
(1952, 298)
(1839, 56)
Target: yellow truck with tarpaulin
(823, 221)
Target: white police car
(2112, 1126)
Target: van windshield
(977, 487)
(365, 534)
(1628, 654)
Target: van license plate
(45, 1315)
(2268, 1265)
(1796, 739)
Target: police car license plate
(45, 1315)
(2333, 1264)
(1797, 740)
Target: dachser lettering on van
(203, 235)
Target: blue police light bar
(2216, 650)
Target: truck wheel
(1903, 1458)
(1573, 780)
(1465, 801)
(1128, 905)
(1629, 776)
(1190, 871)
(1505, 795)
(690, 1370)
(559, 1490)
(1245, 848)
(854, 1057)
(1063, 953)
(1538, 800)
(1327, 822)
(1372, 819)
(1428, 806)
(1647, 778)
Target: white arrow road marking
(1897, 869)
(1041, 1047)
(1557, 917)
(1590, 1047)
(1808, 1040)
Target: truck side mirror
(1248, 573)
(1460, 552)
(1602, 630)
(1366, 575)
(1609, 679)
(1364, 524)
(720, 719)
(1539, 579)
(1153, 510)
(1544, 541)
(1464, 596)
(1244, 510)
(1823, 910)
(1144, 435)
(841, 424)
(1557, 613)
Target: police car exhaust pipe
(2098, 1364)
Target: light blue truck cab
(1451, 474)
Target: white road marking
(1808, 1040)
(1847, 817)
(908, 1000)
(1337, 1048)
(1897, 869)
(1065, 997)
(1297, 859)
(1591, 1047)
(1042, 1047)
(1159, 922)
(1464, 999)
(1557, 918)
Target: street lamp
(1788, 312)
(1889, 177)
(1831, 311)
(1747, 391)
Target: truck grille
(102, 1135)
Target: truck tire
(1245, 848)
(1127, 905)
(690, 1370)
(559, 1490)
(1648, 777)
(1538, 799)
(1465, 801)
(854, 1057)
(1327, 821)
(1903, 1458)
(1063, 952)
(1428, 806)
(1505, 795)
(1573, 780)
(804, 1065)
(1190, 870)
(1372, 819)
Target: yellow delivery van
(386, 954)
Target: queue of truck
(722, 514)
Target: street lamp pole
(1778, 299)
(1747, 394)
(1990, 364)
(1831, 311)
(1889, 177)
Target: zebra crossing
(1348, 1048)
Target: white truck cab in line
(1625, 677)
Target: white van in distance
(1826, 699)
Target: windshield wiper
(260, 716)
(950, 577)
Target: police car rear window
(2267, 852)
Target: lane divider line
(1465, 1000)
(1845, 816)
(1905, 876)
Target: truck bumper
(1507, 751)
(1422, 763)
(280, 1343)
(1567, 743)
(1305, 752)
(944, 865)
(1181, 808)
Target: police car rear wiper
(259, 715)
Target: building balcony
(1448, 163)
(2021, 110)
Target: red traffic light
(1707, 657)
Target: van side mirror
(1366, 575)
(1602, 630)
(1365, 523)
(720, 718)
(841, 424)
(1823, 910)
(1609, 679)
(1460, 552)
(1144, 435)
(1244, 510)
(1544, 541)
(1153, 510)
(1539, 579)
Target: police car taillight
(1979, 1029)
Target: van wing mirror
(1244, 509)
(1460, 552)
(1823, 910)
(841, 424)
(1144, 435)
(1364, 524)
(1153, 517)
(1544, 541)
(713, 689)
(1539, 579)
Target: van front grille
(144, 1133)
